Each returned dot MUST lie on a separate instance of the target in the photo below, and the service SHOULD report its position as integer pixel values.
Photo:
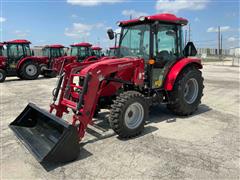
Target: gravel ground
(202, 146)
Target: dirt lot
(202, 146)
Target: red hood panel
(108, 62)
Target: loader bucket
(47, 137)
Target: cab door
(165, 53)
(15, 54)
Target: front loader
(152, 67)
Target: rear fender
(34, 59)
(177, 68)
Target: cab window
(15, 51)
(165, 43)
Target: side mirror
(189, 50)
(110, 34)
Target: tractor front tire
(128, 114)
(2, 75)
(30, 70)
(187, 92)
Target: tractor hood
(41, 57)
(121, 63)
(67, 58)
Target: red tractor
(112, 52)
(57, 59)
(80, 52)
(152, 67)
(16, 60)
(83, 52)
(97, 51)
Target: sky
(71, 21)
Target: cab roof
(54, 46)
(171, 18)
(82, 44)
(96, 48)
(18, 41)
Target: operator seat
(162, 58)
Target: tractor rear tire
(30, 70)
(128, 114)
(187, 92)
(2, 75)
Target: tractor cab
(97, 51)
(112, 52)
(158, 40)
(16, 50)
(81, 51)
(53, 51)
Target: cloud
(21, 34)
(133, 13)
(175, 6)
(80, 30)
(92, 2)
(231, 39)
(222, 29)
(2, 19)
(74, 16)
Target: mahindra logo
(124, 65)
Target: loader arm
(97, 82)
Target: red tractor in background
(17, 60)
(79, 52)
(57, 59)
(152, 67)
(83, 52)
(112, 52)
(97, 51)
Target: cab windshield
(97, 53)
(74, 51)
(27, 50)
(112, 52)
(80, 52)
(135, 41)
(56, 52)
(46, 52)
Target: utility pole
(219, 41)
(221, 47)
